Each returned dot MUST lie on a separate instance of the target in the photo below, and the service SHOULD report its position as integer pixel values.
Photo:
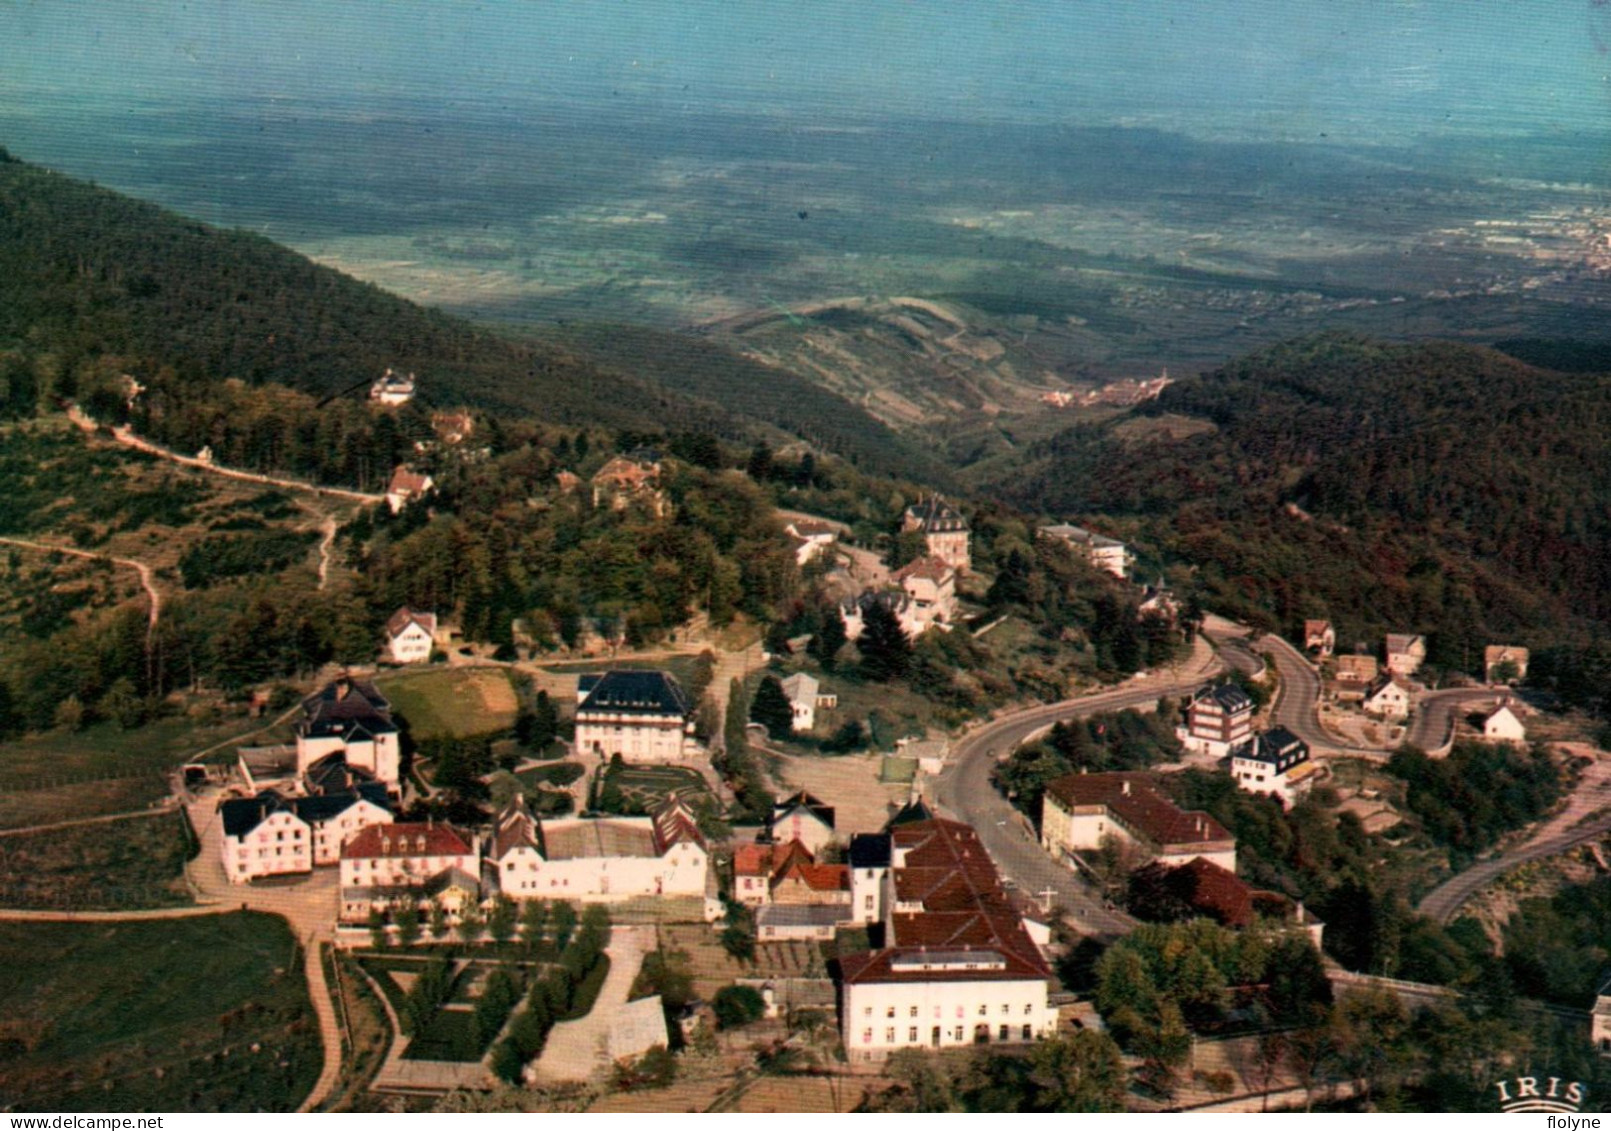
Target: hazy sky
(1421, 63)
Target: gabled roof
(243, 814)
(331, 774)
(1502, 709)
(935, 516)
(1501, 653)
(1316, 627)
(408, 482)
(406, 616)
(1399, 643)
(635, 693)
(1385, 680)
(925, 568)
(1357, 667)
(449, 878)
(1272, 746)
(1132, 798)
(817, 877)
(802, 802)
(514, 828)
(1071, 533)
(327, 806)
(675, 823)
(406, 840)
(624, 472)
(801, 688)
(914, 810)
(765, 859)
(811, 528)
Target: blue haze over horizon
(1389, 70)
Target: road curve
(965, 790)
(1565, 830)
(1433, 724)
(1297, 702)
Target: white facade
(523, 873)
(802, 692)
(637, 738)
(1503, 726)
(379, 754)
(411, 646)
(1390, 699)
(281, 844)
(1103, 553)
(331, 836)
(882, 1017)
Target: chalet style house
(351, 719)
(410, 636)
(597, 860)
(959, 966)
(1405, 653)
(1276, 762)
(1106, 554)
(1504, 663)
(1217, 719)
(407, 486)
(642, 716)
(630, 480)
(931, 583)
(811, 540)
(1319, 638)
(802, 818)
(1502, 725)
(944, 530)
(1081, 809)
(1354, 675)
(806, 697)
(1389, 697)
(392, 389)
(794, 896)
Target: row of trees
(566, 990)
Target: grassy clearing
(137, 862)
(155, 1016)
(452, 702)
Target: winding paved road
(1586, 817)
(965, 790)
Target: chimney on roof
(343, 686)
(1125, 788)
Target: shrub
(736, 1006)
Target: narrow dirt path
(122, 434)
(144, 570)
(325, 543)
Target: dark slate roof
(327, 805)
(934, 515)
(331, 774)
(243, 814)
(345, 707)
(636, 693)
(911, 811)
(1274, 745)
(1230, 697)
(869, 850)
(803, 800)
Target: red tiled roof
(927, 567)
(405, 616)
(1219, 892)
(1131, 798)
(817, 877)
(766, 859)
(406, 482)
(622, 472)
(405, 840)
(674, 823)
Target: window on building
(889, 1035)
(1005, 1008)
(1005, 1034)
(866, 1036)
(1029, 1032)
(1029, 1008)
(913, 1012)
(867, 1012)
(957, 1033)
(984, 1010)
(890, 1011)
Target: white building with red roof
(932, 585)
(407, 486)
(960, 968)
(387, 863)
(598, 860)
(1080, 810)
(410, 636)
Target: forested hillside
(88, 275)
(1435, 487)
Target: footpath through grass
(202, 1014)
